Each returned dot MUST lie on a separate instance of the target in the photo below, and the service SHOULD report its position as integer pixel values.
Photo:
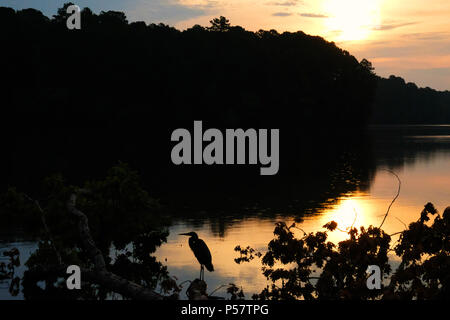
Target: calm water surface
(419, 155)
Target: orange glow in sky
(410, 39)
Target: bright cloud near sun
(409, 39)
(351, 20)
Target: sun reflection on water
(356, 209)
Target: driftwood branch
(104, 278)
(100, 275)
(85, 234)
(46, 228)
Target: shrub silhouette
(314, 268)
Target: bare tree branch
(46, 228)
(395, 198)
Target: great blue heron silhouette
(201, 252)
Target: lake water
(419, 155)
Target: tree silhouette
(307, 266)
(118, 199)
(220, 24)
(398, 102)
(61, 16)
(367, 65)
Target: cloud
(403, 49)
(281, 14)
(313, 15)
(384, 27)
(334, 33)
(289, 3)
(428, 36)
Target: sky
(410, 38)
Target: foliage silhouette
(117, 200)
(310, 267)
(398, 102)
(221, 24)
(7, 270)
(236, 77)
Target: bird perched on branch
(201, 252)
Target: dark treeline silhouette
(398, 102)
(112, 72)
(77, 101)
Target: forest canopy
(399, 102)
(113, 72)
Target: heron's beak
(184, 234)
